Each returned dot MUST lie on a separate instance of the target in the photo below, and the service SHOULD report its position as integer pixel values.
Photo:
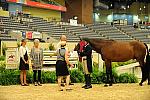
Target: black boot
(85, 76)
(88, 82)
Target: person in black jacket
(87, 62)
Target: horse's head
(77, 47)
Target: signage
(39, 5)
(12, 58)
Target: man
(87, 62)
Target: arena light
(128, 6)
(144, 7)
(75, 17)
(111, 4)
(140, 8)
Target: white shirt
(22, 51)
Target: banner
(12, 58)
(29, 35)
(39, 5)
(73, 22)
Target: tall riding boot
(88, 82)
(85, 76)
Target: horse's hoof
(140, 84)
(110, 85)
(105, 85)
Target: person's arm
(67, 59)
(42, 56)
(22, 55)
(31, 55)
(88, 51)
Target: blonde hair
(36, 41)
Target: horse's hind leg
(108, 73)
(148, 76)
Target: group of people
(36, 57)
(62, 63)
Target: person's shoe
(71, 84)
(68, 89)
(35, 83)
(140, 84)
(39, 84)
(60, 90)
(87, 87)
(26, 84)
(84, 86)
(110, 84)
(62, 85)
(22, 84)
(105, 85)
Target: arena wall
(43, 13)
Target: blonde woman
(36, 60)
(61, 64)
(24, 63)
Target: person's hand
(27, 62)
(71, 65)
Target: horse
(120, 51)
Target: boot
(85, 76)
(88, 82)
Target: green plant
(4, 48)
(51, 46)
(2, 58)
(18, 44)
(128, 78)
(76, 76)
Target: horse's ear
(86, 39)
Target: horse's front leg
(109, 77)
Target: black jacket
(87, 51)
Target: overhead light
(124, 8)
(140, 8)
(128, 6)
(98, 14)
(111, 4)
(75, 17)
(144, 7)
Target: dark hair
(23, 40)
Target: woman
(24, 62)
(61, 66)
(37, 60)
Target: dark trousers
(87, 79)
(39, 75)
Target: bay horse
(120, 51)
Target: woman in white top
(24, 63)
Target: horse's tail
(147, 51)
(145, 72)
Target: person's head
(63, 38)
(36, 43)
(85, 42)
(63, 43)
(23, 42)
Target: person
(36, 61)
(64, 38)
(24, 62)
(81, 45)
(61, 65)
(87, 64)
